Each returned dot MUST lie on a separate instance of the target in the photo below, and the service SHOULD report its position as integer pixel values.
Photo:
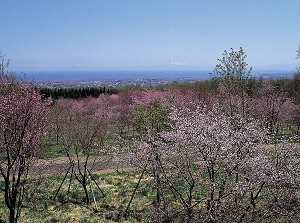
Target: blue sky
(147, 34)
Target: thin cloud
(178, 63)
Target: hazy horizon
(84, 75)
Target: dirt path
(59, 166)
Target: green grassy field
(70, 207)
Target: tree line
(73, 92)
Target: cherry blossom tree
(189, 97)
(82, 135)
(57, 112)
(146, 156)
(220, 145)
(23, 124)
(200, 161)
(277, 168)
(121, 106)
(152, 97)
(272, 107)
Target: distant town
(111, 83)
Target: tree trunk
(12, 212)
(87, 197)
